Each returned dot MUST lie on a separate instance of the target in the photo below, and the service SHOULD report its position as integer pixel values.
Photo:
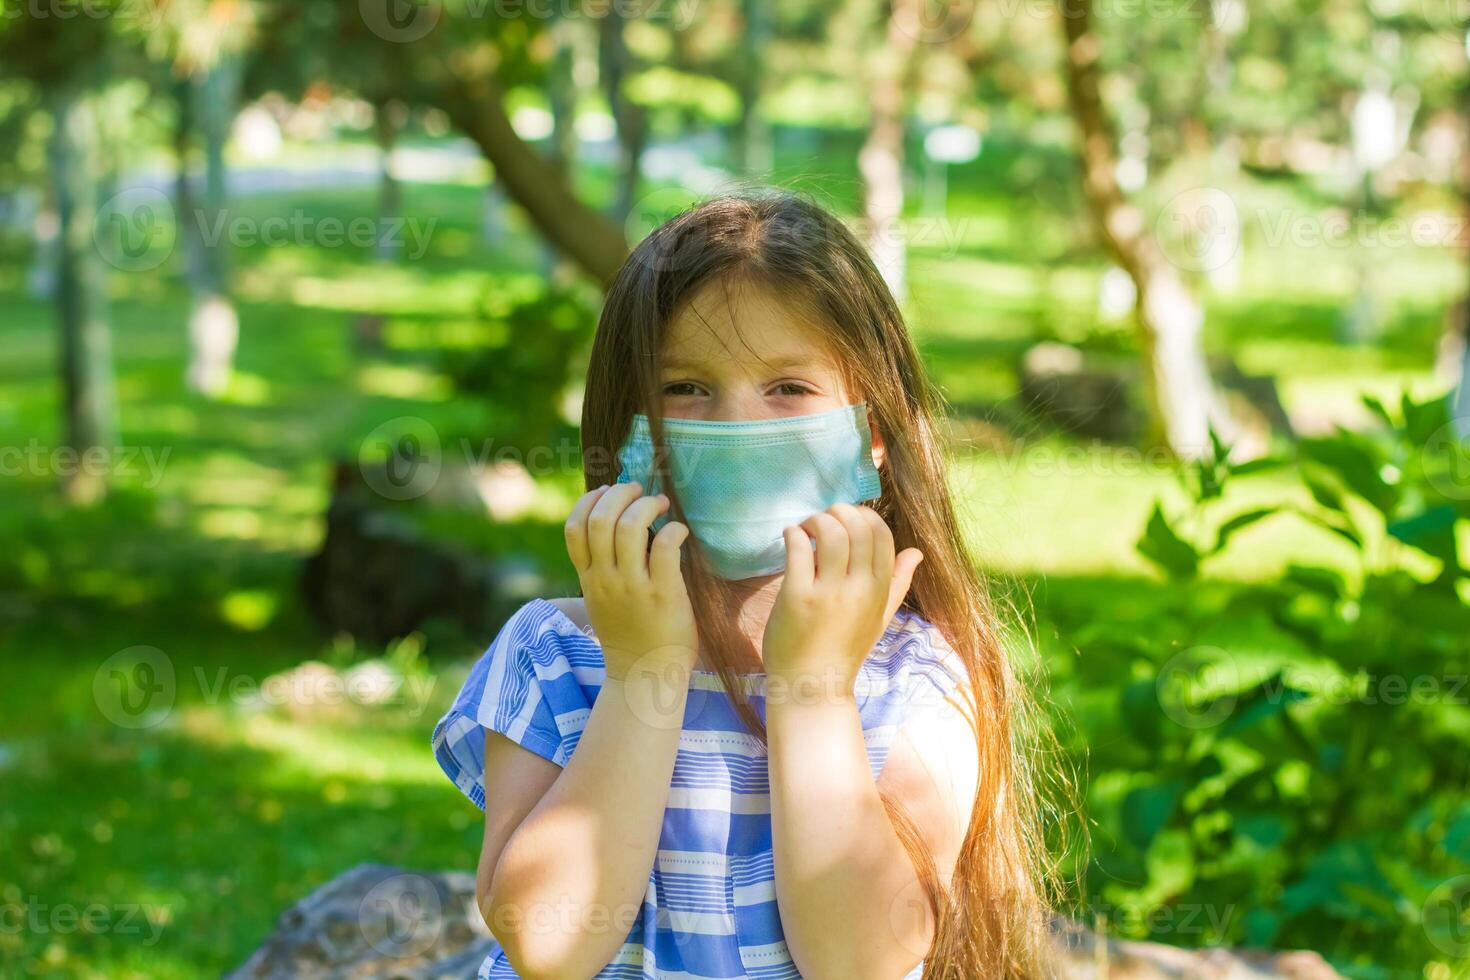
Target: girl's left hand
(835, 603)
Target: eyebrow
(773, 363)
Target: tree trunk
(41, 277)
(631, 119)
(753, 144)
(387, 122)
(561, 94)
(90, 419)
(1455, 344)
(1182, 400)
(1460, 394)
(881, 158)
(214, 326)
(589, 238)
(389, 116)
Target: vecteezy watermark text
(123, 919)
(35, 459)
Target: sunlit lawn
(208, 825)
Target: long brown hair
(990, 915)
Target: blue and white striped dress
(710, 907)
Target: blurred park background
(294, 303)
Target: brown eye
(792, 388)
(679, 388)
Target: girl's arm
(567, 856)
(851, 903)
(565, 887)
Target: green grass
(215, 820)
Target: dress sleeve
(504, 694)
(913, 675)
(933, 681)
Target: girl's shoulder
(555, 625)
(534, 685)
(543, 644)
(574, 608)
(914, 662)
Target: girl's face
(737, 353)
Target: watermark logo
(1446, 458)
(402, 458)
(647, 216)
(400, 21)
(1199, 229)
(934, 21)
(1450, 18)
(1189, 687)
(909, 915)
(1447, 917)
(402, 916)
(136, 687)
(655, 687)
(136, 230)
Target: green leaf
(1219, 452)
(1266, 830)
(1345, 532)
(1324, 581)
(1432, 532)
(1259, 465)
(1162, 546)
(1138, 706)
(1213, 469)
(1355, 465)
(1146, 809)
(1345, 880)
(1171, 865)
(1423, 419)
(1457, 835)
(1239, 521)
(1379, 409)
(1266, 700)
(1261, 926)
(1324, 494)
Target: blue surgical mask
(742, 483)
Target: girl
(774, 736)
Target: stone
(1086, 397)
(377, 922)
(377, 578)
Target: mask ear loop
(660, 472)
(662, 475)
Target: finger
(831, 545)
(859, 537)
(576, 527)
(663, 556)
(903, 576)
(630, 539)
(800, 562)
(883, 547)
(604, 518)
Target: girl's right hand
(635, 595)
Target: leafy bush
(534, 336)
(1291, 769)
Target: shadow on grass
(196, 841)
